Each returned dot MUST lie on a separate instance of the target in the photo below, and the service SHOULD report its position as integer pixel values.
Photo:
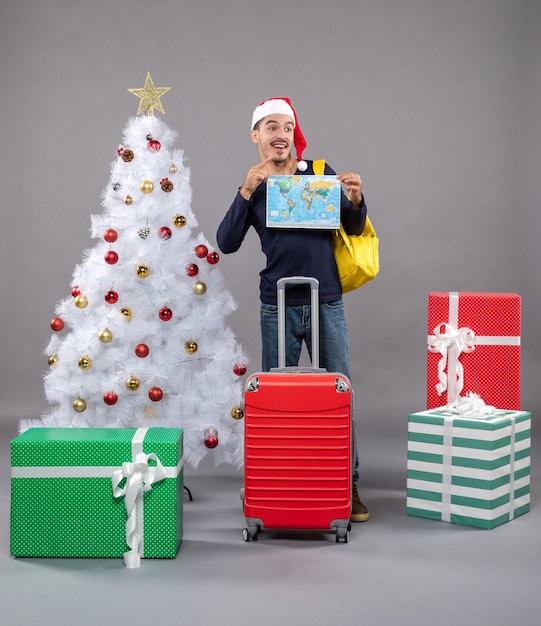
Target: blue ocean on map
(303, 202)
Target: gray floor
(394, 570)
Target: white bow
(471, 405)
(140, 476)
(451, 342)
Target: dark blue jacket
(289, 252)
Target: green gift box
(97, 492)
(468, 470)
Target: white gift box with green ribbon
(468, 470)
(97, 492)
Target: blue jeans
(333, 339)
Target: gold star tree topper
(149, 96)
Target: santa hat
(282, 105)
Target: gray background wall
(434, 102)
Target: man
(294, 252)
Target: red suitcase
(298, 441)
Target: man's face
(274, 137)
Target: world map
(303, 202)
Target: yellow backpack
(357, 256)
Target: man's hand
(354, 187)
(255, 176)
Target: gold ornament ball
(53, 360)
(79, 405)
(179, 221)
(142, 270)
(199, 288)
(133, 383)
(128, 200)
(85, 362)
(191, 347)
(147, 186)
(172, 168)
(126, 313)
(105, 335)
(81, 302)
(237, 413)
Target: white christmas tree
(142, 339)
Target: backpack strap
(319, 167)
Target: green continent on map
(285, 185)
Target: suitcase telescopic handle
(314, 309)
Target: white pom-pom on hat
(284, 106)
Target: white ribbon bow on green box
(139, 477)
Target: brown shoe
(359, 513)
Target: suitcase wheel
(342, 533)
(247, 534)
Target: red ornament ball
(201, 251)
(110, 235)
(240, 369)
(155, 394)
(211, 437)
(111, 257)
(111, 296)
(142, 350)
(57, 324)
(192, 269)
(75, 291)
(164, 232)
(165, 314)
(110, 398)
(213, 258)
(154, 145)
